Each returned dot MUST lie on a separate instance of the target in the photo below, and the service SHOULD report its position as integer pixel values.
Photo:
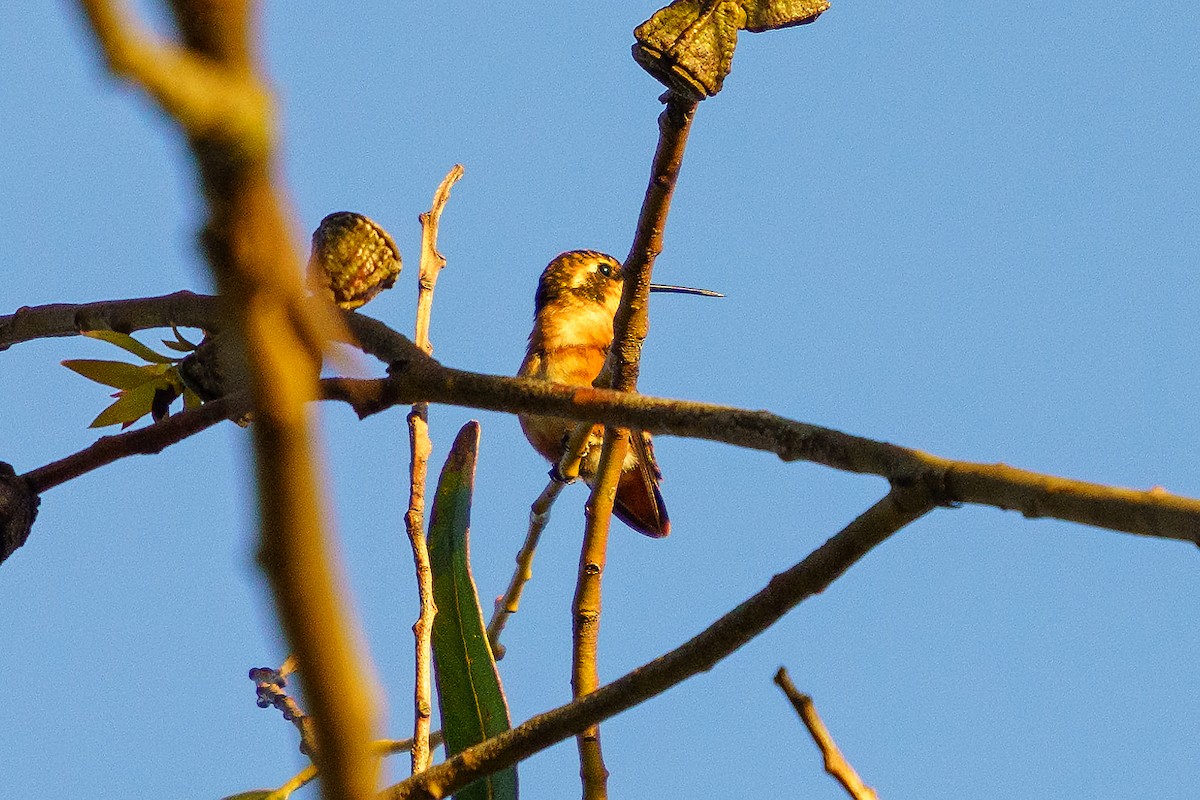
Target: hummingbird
(577, 298)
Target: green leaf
(191, 399)
(130, 406)
(116, 374)
(127, 342)
(253, 794)
(470, 696)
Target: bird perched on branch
(577, 298)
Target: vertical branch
(585, 677)
(432, 262)
(835, 763)
(420, 445)
(211, 86)
(630, 327)
(632, 321)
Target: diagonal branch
(141, 441)
(814, 574)
(835, 763)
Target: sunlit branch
(812, 575)
(420, 446)
(1154, 512)
(140, 441)
(835, 763)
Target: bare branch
(586, 606)
(787, 589)
(141, 441)
(1155, 512)
(181, 309)
(415, 377)
(432, 263)
(432, 260)
(632, 321)
(508, 604)
(835, 763)
(271, 687)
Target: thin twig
(787, 589)
(539, 516)
(420, 446)
(271, 688)
(432, 263)
(835, 763)
(632, 320)
(385, 747)
(415, 378)
(510, 602)
(301, 778)
(141, 441)
(432, 260)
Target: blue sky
(971, 230)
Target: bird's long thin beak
(662, 287)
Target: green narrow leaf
(181, 344)
(129, 408)
(127, 342)
(253, 794)
(116, 374)
(178, 347)
(470, 696)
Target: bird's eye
(605, 270)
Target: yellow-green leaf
(116, 374)
(129, 408)
(253, 794)
(191, 399)
(127, 342)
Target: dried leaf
(769, 15)
(688, 46)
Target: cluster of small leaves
(142, 389)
